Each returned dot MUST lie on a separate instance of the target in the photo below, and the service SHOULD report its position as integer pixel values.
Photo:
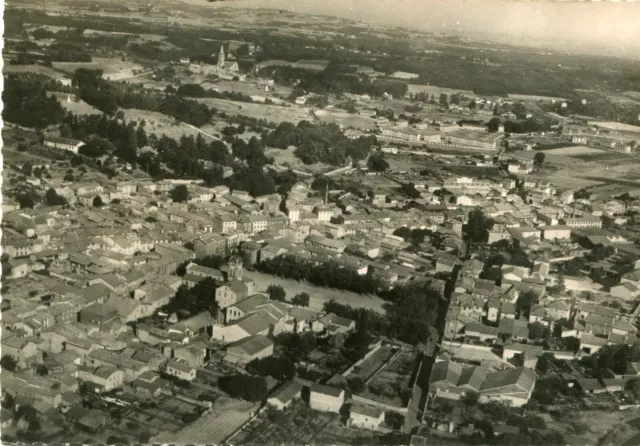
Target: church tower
(221, 57)
(234, 268)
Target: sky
(603, 25)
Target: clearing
(573, 150)
(433, 89)
(318, 295)
(112, 68)
(340, 117)
(78, 107)
(159, 123)
(35, 69)
(270, 113)
(288, 159)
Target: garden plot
(373, 363)
(298, 424)
(392, 383)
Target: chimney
(326, 192)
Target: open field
(573, 150)
(317, 65)
(616, 126)
(318, 295)
(113, 68)
(340, 117)
(433, 89)
(287, 158)
(271, 113)
(78, 107)
(35, 69)
(159, 123)
(533, 98)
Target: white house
(366, 417)
(70, 145)
(326, 398)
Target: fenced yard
(392, 383)
(373, 363)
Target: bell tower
(221, 57)
(234, 268)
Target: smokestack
(326, 192)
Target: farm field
(573, 150)
(433, 89)
(271, 113)
(318, 295)
(112, 68)
(35, 69)
(533, 98)
(616, 126)
(345, 119)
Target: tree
(477, 226)
(42, 370)
(276, 292)
(494, 125)
(141, 136)
(97, 201)
(179, 194)
(280, 368)
(250, 388)
(471, 398)
(525, 301)
(377, 163)
(301, 300)
(9, 401)
(356, 345)
(538, 159)
(26, 201)
(53, 199)
(8, 363)
(472, 104)
(356, 384)
(536, 330)
(27, 168)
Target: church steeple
(221, 57)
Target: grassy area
(391, 385)
(113, 68)
(271, 113)
(318, 295)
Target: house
(365, 417)
(20, 349)
(285, 394)
(70, 145)
(102, 378)
(558, 310)
(249, 348)
(528, 354)
(591, 344)
(481, 331)
(181, 370)
(451, 380)
(556, 232)
(149, 385)
(98, 314)
(326, 398)
(625, 290)
(513, 329)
